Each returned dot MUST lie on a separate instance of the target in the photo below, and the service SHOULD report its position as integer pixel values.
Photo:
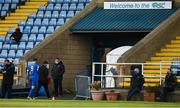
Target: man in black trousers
(137, 81)
(57, 72)
(169, 85)
(43, 78)
(8, 75)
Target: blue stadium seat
(7, 39)
(51, 1)
(74, 1)
(22, 23)
(47, 35)
(6, 7)
(22, 46)
(50, 29)
(37, 22)
(40, 14)
(40, 38)
(80, 6)
(3, 13)
(60, 22)
(15, 1)
(57, 7)
(13, 6)
(82, 1)
(67, 1)
(50, 7)
(42, 29)
(4, 54)
(57, 27)
(2, 38)
(30, 22)
(6, 46)
(45, 22)
(42, 8)
(33, 15)
(55, 14)
(11, 54)
(35, 29)
(29, 45)
(47, 14)
(27, 29)
(65, 6)
(26, 51)
(37, 43)
(53, 22)
(1, 43)
(62, 14)
(13, 47)
(32, 38)
(59, 1)
(24, 38)
(19, 53)
(21, 28)
(70, 14)
(11, 30)
(8, 1)
(77, 12)
(72, 6)
(1, 1)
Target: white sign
(139, 5)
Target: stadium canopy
(102, 20)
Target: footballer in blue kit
(32, 75)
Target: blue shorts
(33, 82)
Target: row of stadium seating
(65, 6)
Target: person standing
(137, 81)
(43, 78)
(8, 75)
(169, 85)
(57, 72)
(32, 78)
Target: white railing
(142, 65)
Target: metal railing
(102, 68)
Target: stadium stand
(42, 20)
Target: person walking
(8, 75)
(43, 78)
(57, 72)
(137, 81)
(32, 78)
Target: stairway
(170, 52)
(20, 14)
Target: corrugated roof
(121, 20)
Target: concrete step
(155, 71)
(126, 84)
(9, 25)
(9, 21)
(26, 11)
(16, 18)
(156, 67)
(161, 58)
(175, 41)
(37, 3)
(173, 46)
(177, 37)
(177, 50)
(168, 54)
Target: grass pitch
(12, 103)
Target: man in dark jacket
(8, 75)
(169, 85)
(137, 82)
(16, 37)
(57, 72)
(43, 78)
